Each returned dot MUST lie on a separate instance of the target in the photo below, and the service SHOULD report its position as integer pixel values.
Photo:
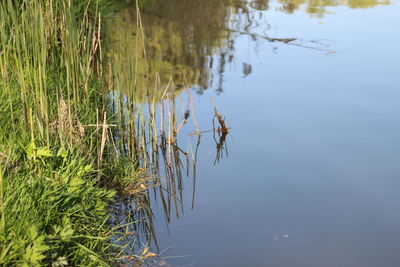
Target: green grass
(56, 177)
(73, 132)
(52, 214)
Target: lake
(309, 173)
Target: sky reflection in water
(310, 90)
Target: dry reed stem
(103, 139)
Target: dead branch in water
(222, 128)
(222, 132)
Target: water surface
(309, 174)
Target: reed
(54, 210)
(79, 122)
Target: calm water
(309, 174)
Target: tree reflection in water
(156, 54)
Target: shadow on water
(157, 57)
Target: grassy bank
(56, 179)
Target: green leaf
(34, 252)
(62, 152)
(59, 262)
(44, 152)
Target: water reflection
(188, 44)
(320, 8)
(261, 5)
(193, 41)
(166, 48)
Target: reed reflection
(162, 51)
(185, 44)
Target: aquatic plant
(52, 116)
